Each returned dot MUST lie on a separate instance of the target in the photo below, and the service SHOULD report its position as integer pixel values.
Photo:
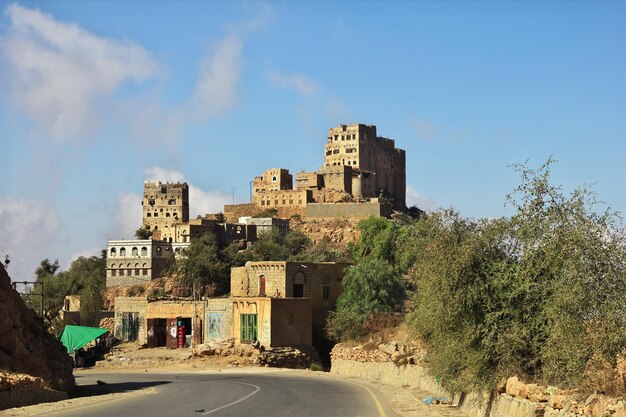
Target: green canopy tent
(75, 337)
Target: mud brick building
(358, 167)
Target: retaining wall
(29, 396)
(416, 376)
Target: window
(298, 285)
(248, 328)
(163, 190)
(135, 252)
(145, 272)
(151, 202)
(123, 252)
(144, 251)
(262, 286)
(136, 271)
(113, 252)
(262, 202)
(326, 292)
(149, 215)
(156, 214)
(274, 178)
(167, 215)
(171, 201)
(158, 249)
(113, 272)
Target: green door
(248, 328)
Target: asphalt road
(270, 394)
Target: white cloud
(27, 228)
(128, 215)
(200, 202)
(302, 84)
(414, 198)
(216, 88)
(25, 223)
(60, 73)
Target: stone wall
(399, 364)
(218, 320)
(29, 396)
(232, 212)
(131, 305)
(347, 210)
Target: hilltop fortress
(364, 171)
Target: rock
(204, 349)
(558, 401)
(514, 387)
(536, 393)
(389, 348)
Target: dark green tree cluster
(205, 265)
(539, 294)
(373, 285)
(85, 277)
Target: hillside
(25, 347)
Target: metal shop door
(197, 331)
(151, 333)
(171, 338)
(248, 328)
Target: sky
(98, 96)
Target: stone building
(266, 224)
(359, 166)
(164, 204)
(157, 322)
(131, 262)
(318, 281)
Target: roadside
(405, 402)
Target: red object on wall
(181, 335)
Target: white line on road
(239, 400)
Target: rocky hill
(25, 347)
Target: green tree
(203, 266)
(371, 286)
(539, 294)
(143, 233)
(85, 276)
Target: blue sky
(96, 97)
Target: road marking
(239, 400)
(381, 411)
(98, 404)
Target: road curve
(266, 394)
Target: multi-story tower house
(378, 166)
(165, 204)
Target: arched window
(144, 251)
(149, 215)
(298, 285)
(113, 252)
(135, 252)
(262, 286)
(123, 252)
